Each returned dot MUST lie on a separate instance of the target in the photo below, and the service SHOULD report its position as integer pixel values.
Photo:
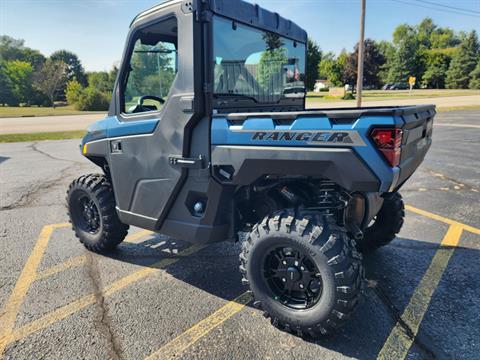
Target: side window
(152, 68)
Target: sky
(96, 29)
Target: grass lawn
(8, 111)
(75, 134)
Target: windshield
(256, 64)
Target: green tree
(331, 68)
(424, 32)
(463, 62)
(438, 61)
(18, 77)
(14, 49)
(405, 62)
(373, 61)
(74, 68)
(314, 55)
(6, 94)
(475, 77)
(100, 80)
(443, 38)
(387, 49)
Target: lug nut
(302, 268)
(284, 262)
(301, 286)
(284, 280)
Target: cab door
(154, 104)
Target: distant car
(399, 86)
(387, 86)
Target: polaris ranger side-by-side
(207, 136)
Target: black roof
(244, 12)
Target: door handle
(116, 147)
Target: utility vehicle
(207, 136)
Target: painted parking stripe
(67, 310)
(185, 340)
(27, 277)
(442, 219)
(80, 260)
(70, 263)
(81, 303)
(398, 342)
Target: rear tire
(386, 226)
(304, 244)
(92, 213)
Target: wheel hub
(293, 277)
(85, 213)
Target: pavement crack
(34, 147)
(102, 320)
(32, 193)
(430, 352)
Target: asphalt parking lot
(162, 298)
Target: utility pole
(361, 55)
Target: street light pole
(361, 55)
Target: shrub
(92, 99)
(348, 96)
(73, 92)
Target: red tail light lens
(389, 143)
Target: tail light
(389, 143)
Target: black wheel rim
(85, 213)
(292, 277)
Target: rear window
(256, 64)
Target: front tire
(92, 213)
(304, 272)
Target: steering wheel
(141, 107)
(150, 97)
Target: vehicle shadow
(392, 272)
(3, 158)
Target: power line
(449, 7)
(437, 9)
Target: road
(159, 296)
(440, 102)
(81, 122)
(21, 125)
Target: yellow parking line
(67, 310)
(442, 219)
(137, 235)
(80, 260)
(72, 262)
(398, 343)
(182, 342)
(26, 278)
